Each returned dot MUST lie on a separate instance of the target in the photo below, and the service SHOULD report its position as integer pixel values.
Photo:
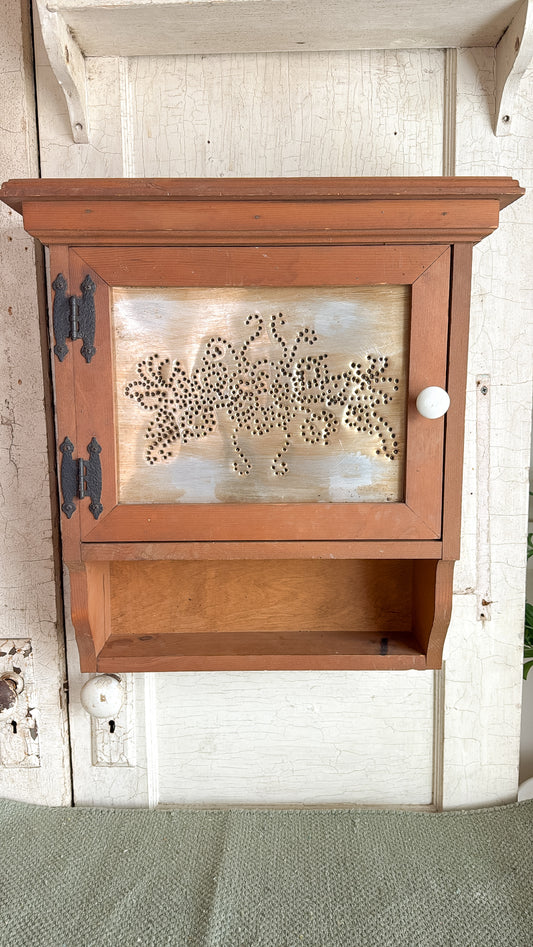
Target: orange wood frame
(418, 517)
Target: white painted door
(383, 738)
(34, 752)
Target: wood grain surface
(503, 189)
(278, 596)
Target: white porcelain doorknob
(433, 402)
(102, 696)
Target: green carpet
(266, 878)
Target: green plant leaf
(528, 639)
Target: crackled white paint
(484, 665)
(108, 771)
(68, 64)
(19, 729)
(514, 54)
(526, 732)
(348, 737)
(113, 736)
(307, 737)
(171, 27)
(27, 581)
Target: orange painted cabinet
(260, 398)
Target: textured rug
(266, 878)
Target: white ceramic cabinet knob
(102, 696)
(433, 402)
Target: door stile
(427, 367)
(66, 424)
(94, 396)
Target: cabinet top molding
(505, 190)
(120, 212)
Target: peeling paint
(19, 733)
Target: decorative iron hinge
(74, 317)
(81, 478)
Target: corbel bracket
(68, 65)
(513, 55)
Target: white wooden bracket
(68, 65)
(513, 55)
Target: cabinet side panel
(456, 387)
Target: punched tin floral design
(292, 396)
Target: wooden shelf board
(343, 549)
(261, 651)
(176, 27)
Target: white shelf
(173, 27)
(74, 30)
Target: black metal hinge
(74, 317)
(81, 478)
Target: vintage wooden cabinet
(246, 481)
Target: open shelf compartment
(298, 614)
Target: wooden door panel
(408, 503)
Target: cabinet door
(263, 393)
